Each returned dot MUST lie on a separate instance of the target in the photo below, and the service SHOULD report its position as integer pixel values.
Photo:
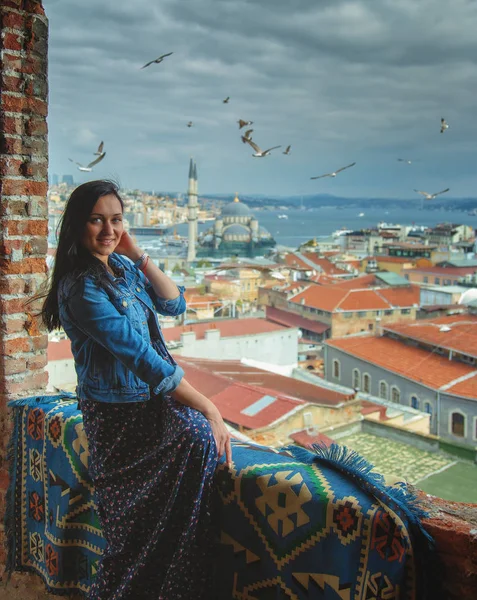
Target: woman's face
(104, 228)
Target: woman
(153, 439)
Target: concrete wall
(276, 347)
(406, 387)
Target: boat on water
(361, 215)
(283, 216)
(150, 230)
(340, 232)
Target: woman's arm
(162, 285)
(188, 395)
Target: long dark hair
(71, 255)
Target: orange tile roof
(333, 297)
(462, 338)
(305, 439)
(422, 366)
(326, 265)
(394, 259)
(227, 328)
(265, 380)
(59, 350)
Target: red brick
(11, 62)
(7, 246)
(10, 166)
(24, 104)
(21, 227)
(13, 84)
(38, 362)
(24, 187)
(14, 20)
(10, 145)
(12, 306)
(12, 346)
(13, 125)
(36, 126)
(30, 384)
(10, 366)
(40, 342)
(8, 326)
(12, 285)
(12, 41)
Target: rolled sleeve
(170, 308)
(169, 384)
(91, 310)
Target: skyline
(341, 83)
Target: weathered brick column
(23, 206)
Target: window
(415, 402)
(348, 315)
(425, 279)
(370, 326)
(406, 311)
(437, 280)
(406, 276)
(366, 383)
(475, 428)
(383, 390)
(360, 314)
(388, 312)
(458, 424)
(336, 369)
(395, 394)
(446, 282)
(356, 379)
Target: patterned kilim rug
(295, 524)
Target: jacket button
(125, 303)
(138, 289)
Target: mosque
(236, 231)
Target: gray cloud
(338, 80)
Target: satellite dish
(468, 296)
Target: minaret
(192, 212)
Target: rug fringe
(400, 499)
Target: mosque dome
(264, 232)
(236, 209)
(237, 230)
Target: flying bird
(157, 60)
(189, 124)
(99, 151)
(89, 167)
(247, 135)
(428, 196)
(226, 101)
(334, 173)
(444, 125)
(287, 151)
(243, 123)
(259, 153)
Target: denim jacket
(117, 358)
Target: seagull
(428, 196)
(99, 151)
(444, 125)
(156, 60)
(287, 151)
(334, 173)
(247, 135)
(409, 162)
(258, 152)
(243, 123)
(189, 124)
(226, 101)
(89, 167)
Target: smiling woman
(153, 439)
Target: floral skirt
(152, 464)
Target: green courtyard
(434, 473)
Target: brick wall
(23, 244)
(23, 219)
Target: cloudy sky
(340, 81)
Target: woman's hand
(222, 437)
(128, 248)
